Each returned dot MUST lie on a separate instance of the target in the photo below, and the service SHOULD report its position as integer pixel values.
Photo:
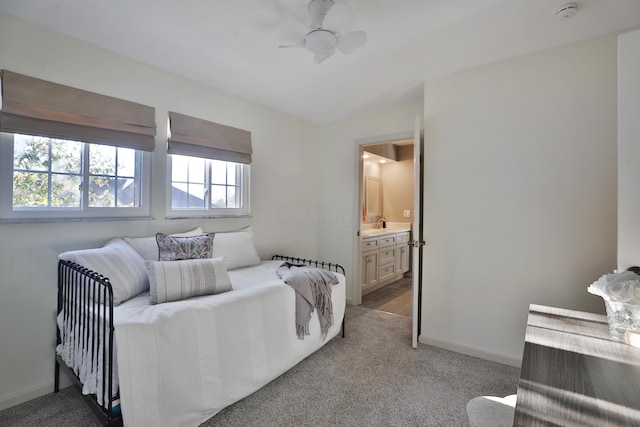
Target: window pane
(218, 196)
(126, 162)
(66, 156)
(184, 196)
(128, 194)
(30, 152)
(101, 191)
(197, 168)
(65, 191)
(218, 172)
(179, 194)
(179, 168)
(232, 172)
(196, 196)
(102, 160)
(233, 197)
(30, 189)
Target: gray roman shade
(190, 136)
(38, 107)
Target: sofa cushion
(147, 247)
(237, 248)
(178, 280)
(171, 248)
(118, 262)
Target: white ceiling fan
(330, 27)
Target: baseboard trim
(30, 393)
(482, 353)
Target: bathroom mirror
(373, 196)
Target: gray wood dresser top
(574, 373)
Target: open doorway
(386, 196)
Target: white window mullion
(85, 176)
(49, 173)
(207, 185)
(115, 180)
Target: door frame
(359, 145)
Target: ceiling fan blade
(298, 44)
(350, 42)
(339, 19)
(322, 56)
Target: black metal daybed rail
(312, 263)
(85, 302)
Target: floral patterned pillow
(172, 248)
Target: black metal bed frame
(85, 299)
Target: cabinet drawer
(371, 243)
(387, 241)
(387, 255)
(402, 238)
(387, 271)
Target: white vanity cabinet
(385, 258)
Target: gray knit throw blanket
(313, 290)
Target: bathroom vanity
(384, 257)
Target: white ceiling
(233, 44)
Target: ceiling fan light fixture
(320, 41)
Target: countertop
(369, 232)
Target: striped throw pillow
(118, 262)
(178, 280)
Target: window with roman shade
(70, 153)
(209, 168)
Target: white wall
(628, 150)
(520, 194)
(397, 188)
(337, 182)
(280, 185)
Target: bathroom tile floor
(393, 298)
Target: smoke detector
(567, 10)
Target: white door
(416, 234)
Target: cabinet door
(402, 259)
(369, 262)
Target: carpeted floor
(371, 378)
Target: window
(207, 187)
(58, 178)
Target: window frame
(208, 211)
(8, 212)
